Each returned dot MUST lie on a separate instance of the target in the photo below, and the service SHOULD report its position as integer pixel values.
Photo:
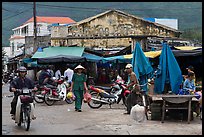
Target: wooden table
(175, 99)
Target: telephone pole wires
(35, 47)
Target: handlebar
(20, 91)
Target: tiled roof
(61, 20)
(17, 37)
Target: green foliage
(14, 14)
(193, 34)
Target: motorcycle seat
(51, 86)
(108, 96)
(39, 86)
(104, 88)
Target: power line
(16, 14)
(10, 10)
(100, 9)
(135, 9)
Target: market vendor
(189, 84)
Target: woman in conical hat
(78, 85)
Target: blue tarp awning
(59, 54)
(169, 71)
(120, 59)
(56, 51)
(92, 57)
(141, 66)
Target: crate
(156, 111)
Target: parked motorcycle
(8, 77)
(114, 86)
(24, 108)
(39, 93)
(100, 96)
(59, 93)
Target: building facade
(43, 26)
(110, 29)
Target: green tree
(193, 34)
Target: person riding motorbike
(45, 78)
(19, 83)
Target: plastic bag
(87, 97)
(138, 113)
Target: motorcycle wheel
(38, 99)
(69, 101)
(95, 104)
(26, 120)
(48, 101)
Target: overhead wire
(16, 14)
(98, 8)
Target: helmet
(69, 95)
(22, 69)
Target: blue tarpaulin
(119, 58)
(92, 57)
(141, 66)
(170, 71)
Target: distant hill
(189, 14)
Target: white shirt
(69, 73)
(58, 74)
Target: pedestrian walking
(78, 85)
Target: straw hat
(79, 67)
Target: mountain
(189, 14)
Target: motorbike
(5, 77)
(24, 108)
(100, 96)
(59, 93)
(8, 77)
(114, 86)
(39, 94)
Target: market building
(110, 29)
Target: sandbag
(138, 113)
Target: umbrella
(141, 66)
(170, 71)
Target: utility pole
(35, 47)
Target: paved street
(61, 119)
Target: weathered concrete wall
(111, 24)
(41, 41)
(107, 43)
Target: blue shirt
(189, 85)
